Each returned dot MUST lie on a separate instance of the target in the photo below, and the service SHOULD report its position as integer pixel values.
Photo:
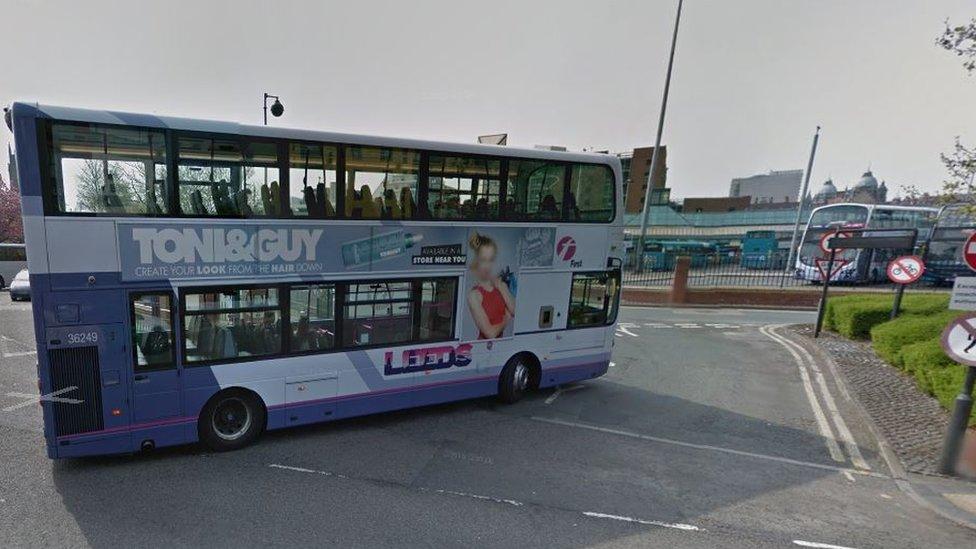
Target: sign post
(959, 343)
(826, 244)
(903, 271)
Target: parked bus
(860, 266)
(659, 255)
(13, 259)
(760, 250)
(943, 251)
(205, 281)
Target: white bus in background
(862, 266)
(13, 258)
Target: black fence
(737, 270)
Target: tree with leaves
(11, 225)
(960, 163)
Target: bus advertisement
(860, 266)
(206, 281)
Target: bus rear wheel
(231, 420)
(514, 380)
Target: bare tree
(960, 163)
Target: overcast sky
(752, 78)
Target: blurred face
(484, 263)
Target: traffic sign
(959, 339)
(969, 252)
(905, 269)
(827, 236)
(834, 269)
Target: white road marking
(687, 325)
(849, 476)
(845, 433)
(825, 431)
(49, 397)
(787, 461)
(511, 502)
(304, 470)
(13, 355)
(817, 545)
(657, 325)
(612, 364)
(721, 326)
(624, 327)
(560, 390)
(673, 525)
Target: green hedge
(911, 342)
(890, 337)
(854, 315)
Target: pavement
(708, 430)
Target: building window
(108, 170)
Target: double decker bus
(943, 251)
(206, 281)
(861, 266)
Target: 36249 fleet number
(82, 337)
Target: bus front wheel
(514, 380)
(232, 419)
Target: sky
(752, 78)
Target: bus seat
(266, 198)
(391, 204)
(370, 209)
(275, 199)
(351, 201)
(406, 203)
(241, 203)
(327, 208)
(196, 203)
(308, 196)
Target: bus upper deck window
(381, 183)
(102, 170)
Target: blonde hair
(477, 241)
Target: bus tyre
(514, 380)
(231, 420)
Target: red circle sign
(969, 252)
(828, 236)
(905, 269)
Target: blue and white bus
(861, 266)
(205, 281)
(943, 251)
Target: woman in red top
(492, 305)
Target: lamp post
(657, 146)
(277, 109)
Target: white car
(20, 287)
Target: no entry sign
(969, 252)
(905, 269)
(959, 339)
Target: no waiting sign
(905, 269)
(959, 339)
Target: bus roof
(71, 114)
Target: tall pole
(801, 199)
(657, 144)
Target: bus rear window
(104, 170)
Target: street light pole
(801, 199)
(277, 109)
(657, 144)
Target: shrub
(935, 373)
(888, 338)
(854, 315)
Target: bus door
(155, 377)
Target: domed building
(867, 190)
(827, 192)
